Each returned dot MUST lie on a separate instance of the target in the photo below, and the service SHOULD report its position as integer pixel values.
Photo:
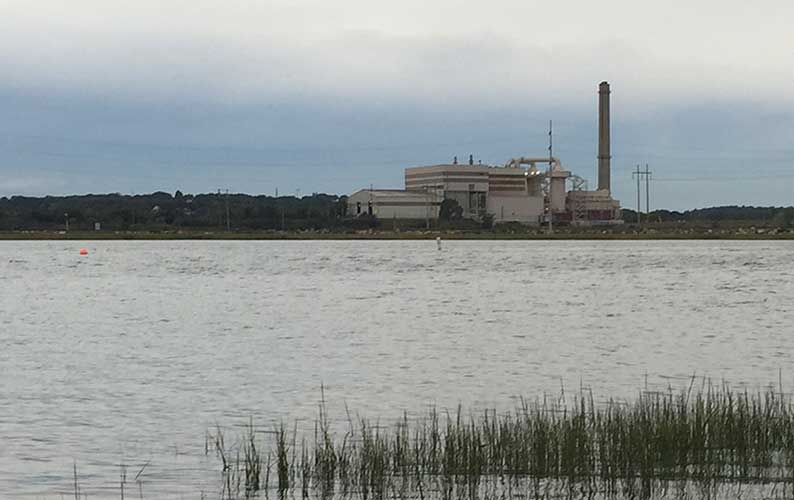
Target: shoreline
(386, 235)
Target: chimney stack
(604, 156)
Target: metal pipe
(523, 160)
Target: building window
(369, 208)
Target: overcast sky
(320, 96)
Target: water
(129, 355)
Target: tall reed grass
(691, 443)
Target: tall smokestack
(604, 156)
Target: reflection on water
(128, 355)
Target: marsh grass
(694, 443)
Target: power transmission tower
(647, 190)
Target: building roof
(392, 194)
(450, 169)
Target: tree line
(162, 211)
(217, 211)
(782, 217)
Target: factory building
(394, 204)
(517, 191)
(505, 193)
(592, 207)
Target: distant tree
(363, 221)
(486, 220)
(340, 210)
(318, 211)
(450, 210)
(786, 217)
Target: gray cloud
(118, 96)
(510, 52)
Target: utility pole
(226, 204)
(427, 208)
(371, 203)
(551, 162)
(279, 210)
(637, 173)
(228, 219)
(66, 218)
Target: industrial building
(394, 204)
(517, 191)
(507, 193)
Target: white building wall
(558, 194)
(524, 209)
(393, 204)
(466, 185)
(389, 211)
(357, 203)
(448, 177)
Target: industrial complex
(517, 191)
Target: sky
(311, 96)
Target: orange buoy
(83, 251)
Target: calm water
(130, 354)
